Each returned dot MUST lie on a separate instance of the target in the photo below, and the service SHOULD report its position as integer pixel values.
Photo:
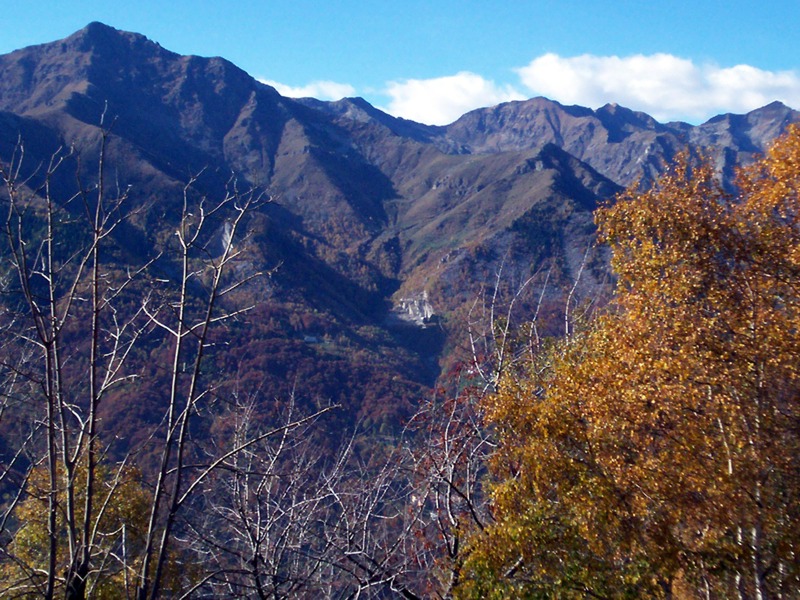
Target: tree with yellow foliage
(656, 453)
(118, 536)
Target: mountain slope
(382, 226)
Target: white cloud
(662, 85)
(321, 90)
(442, 100)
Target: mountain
(624, 145)
(388, 233)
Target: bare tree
(56, 278)
(70, 323)
(187, 322)
(285, 519)
(448, 457)
(262, 508)
(494, 322)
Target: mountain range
(390, 236)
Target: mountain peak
(772, 110)
(101, 38)
(775, 104)
(96, 28)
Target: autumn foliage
(655, 454)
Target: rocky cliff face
(373, 217)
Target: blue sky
(431, 61)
